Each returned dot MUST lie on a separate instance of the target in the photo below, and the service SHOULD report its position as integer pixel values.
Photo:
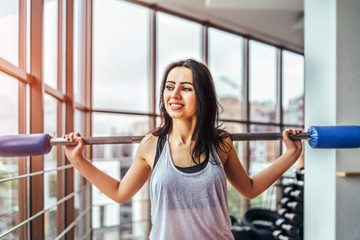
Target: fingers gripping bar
(318, 137)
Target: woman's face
(179, 94)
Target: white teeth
(176, 105)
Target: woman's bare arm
(251, 187)
(119, 191)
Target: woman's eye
(169, 87)
(187, 89)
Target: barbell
(317, 137)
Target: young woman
(188, 159)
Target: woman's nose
(176, 93)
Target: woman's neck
(182, 130)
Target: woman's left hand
(292, 146)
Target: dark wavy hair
(207, 130)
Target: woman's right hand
(74, 152)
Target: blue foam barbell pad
(334, 136)
(24, 145)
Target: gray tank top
(188, 205)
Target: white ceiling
(279, 22)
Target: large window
(120, 56)
(8, 105)
(262, 74)
(225, 63)
(91, 66)
(50, 42)
(293, 88)
(79, 52)
(36, 192)
(9, 28)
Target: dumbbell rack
(290, 224)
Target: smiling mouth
(176, 105)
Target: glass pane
(19, 233)
(79, 122)
(50, 127)
(225, 64)
(80, 187)
(293, 88)
(262, 74)
(115, 161)
(79, 206)
(8, 196)
(176, 39)
(120, 60)
(8, 105)
(50, 42)
(9, 28)
(79, 50)
(119, 125)
(81, 200)
(8, 166)
(262, 154)
(50, 178)
(50, 224)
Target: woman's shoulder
(149, 140)
(147, 148)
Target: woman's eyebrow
(186, 83)
(180, 82)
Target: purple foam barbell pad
(334, 136)
(24, 145)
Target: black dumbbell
(289, 229)
(295, 206)
(284, 201)
(293, 218)
(279, 235)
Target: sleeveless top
(188, 205)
